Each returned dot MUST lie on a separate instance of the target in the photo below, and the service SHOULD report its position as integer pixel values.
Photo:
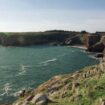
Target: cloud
(40, 20)
(93, 25)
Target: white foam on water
(21, 73)
(2, 94)
(45, 63)
(51, 60)
(93, 57)
(7, 88)
(22, 69)
(16, 94)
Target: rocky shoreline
(68, 89)
(80, 47)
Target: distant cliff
(54, 37)
(95, 42)
(97, 46)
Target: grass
(75, 89)
(87, 93)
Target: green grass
(89, 91)
(75, 89)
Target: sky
(41, 15)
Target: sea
(27, 67)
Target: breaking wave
(23, 69)
(45, 63)
(6, 89)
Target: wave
(48, 61)
(93, 57)
(51, 60)
(21, 73)
(2, 94)
(16, 94)
(7, 88)
(22, 69)
(45, 63)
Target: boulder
(99, 47)
(99, 55)
(40, 99)
(103, 103)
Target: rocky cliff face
(84, 87)
(35, 38)
(97, 45)
(93, 39)
(93, 42)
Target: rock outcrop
(96, 43)
(40, 99)
(99, 47)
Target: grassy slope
(89, 92)
(84, 87)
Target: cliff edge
(84, 87)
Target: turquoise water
(27, 67)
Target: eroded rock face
(99, 47)
(103, 103)
(99, 55)
(100, 102)
(40, 99)
(93, 39)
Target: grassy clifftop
(84, 87)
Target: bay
(28, 67)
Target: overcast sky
(40, 15)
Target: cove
(28, 67)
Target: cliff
(84, 87)
(55, 37)
(93, 41)
(96, 43)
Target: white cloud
(39, 20)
